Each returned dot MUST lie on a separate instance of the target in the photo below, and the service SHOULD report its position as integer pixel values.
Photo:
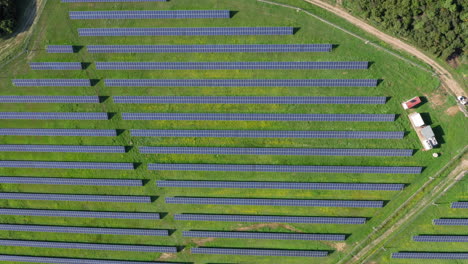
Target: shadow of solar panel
(55, 65)
(60, 49)
(260, 252)
(267, 134)
(65, 165)
(241, 83)
(206, 31)
(106, 1)
(451, 221)
(68, 245)
(150, 14)
(440, 238)
(275, 202)
(209, 48)
(295, 65)
(58, 148)
(271, 219)
(58, 132)
(80, 214)
(248, 100)
(260, 117)
(284, 168)
(459, 205)
(262, 235)
(70, 181)
(283, 185)
(84, 230)
(276, 151)
(76, 198)
(429, 255)
(54, 260)
(52, 82)
(46, 116)
(49, 99)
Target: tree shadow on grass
(26, 11)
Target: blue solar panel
(75, 197)
(440, 238)
(60, 49)
(55, 65)
(58, 132)
(451, 221)
(284, 168)
(65, 165)
(283, 185)
(459, 205)
(209, 48)
(70, 181)
(52, 82)
(49, 260)
(56, 115)
(248, 100)
(260, 117)
(79, 214)
(263, 235)
(271, 219)
(206, 31)
(429, 255)
(276, 151)
(49, 99)
(296, 65)
(267, 134)
(241, 83)
(63, 148)
(149, 14)
(260, 252)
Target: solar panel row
(68, 245)
(440, 238)
(56, 115)
(209, 48)
(65, 165)
(277, 151)
(299, 65)
(271, 219)
(52, 82)
(429, 255)
(284, 168)
(260, 252)
(283, 185)
(249, 100)
(56, 65)
(241, 83)
(263, 235)
(260, 117)
(49, 260)
(58, 132)
(60, 49)
(150, 14)
(70, 181)
(80, 214)
(451, 221)
(460, 205)
(267, 134)
(207, 31)
(275, 202)
(84, 230)
(75, 197)
(49, 99)
(62, 148)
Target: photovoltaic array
(49, 99)
(262, 235)
(429, 255)
(80, 214)
(63, 148)
(440, 238)
(37, 259)
(451, 221)
(70, 181)
(461, 205)
(146, 14)
(65, 165)
(51, 116)
(260, 252)
(60, 49)
(56, 65)
(58, 132)
(249, 100)
(76, 198)
(52, 82)
(206, 31)
(209, 48)
(271, 219)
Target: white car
(462, 100)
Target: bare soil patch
(203, 241)
(273, 225)
(166, 256)
(451, 111)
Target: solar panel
(62, 148)
(241, 83)
(49, 99)
(276, 151)
(65, 165)
(210, 48)
(84, 230)
(248, 100)
(260, 117)
(150, 14)
(275, 202)
(206, 31)
(68, 245)
(52, 82)
(56, 115)
(267, 134)
(55, 65)
(263, 235)
(287, 65)
(58, 132)
(70, 181)
(75, 197)
(429, 255)
(460, 205)
(260, 252)
(283, 185)
(283, 168)
(271, 219)
(451, 221)
(80, 214)
(105, 1)
(440, 238)
(37, 259)
(60, 49)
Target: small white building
(416, 119)
(429, 137)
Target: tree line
(7, 17)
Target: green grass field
(400, 82)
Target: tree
(7, 17)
